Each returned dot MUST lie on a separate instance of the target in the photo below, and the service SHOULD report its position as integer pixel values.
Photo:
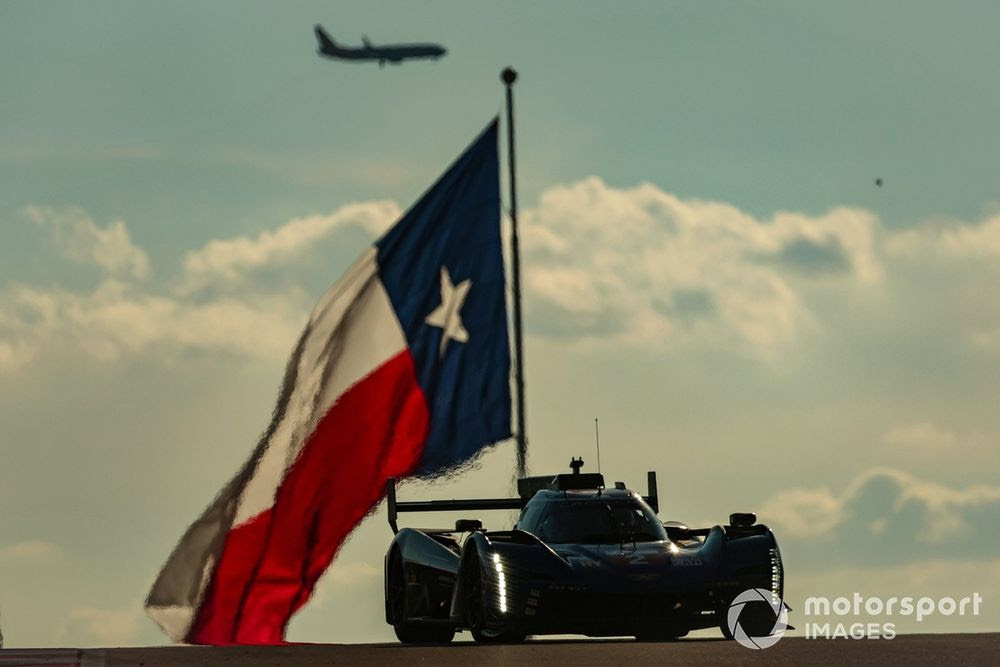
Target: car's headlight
(776, 574)
(501, 583)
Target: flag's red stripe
(270, 563)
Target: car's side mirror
(468, 525)
(742, 519)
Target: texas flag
(401, 370)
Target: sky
(709, 268)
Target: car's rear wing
(485, 503)
(444, 505)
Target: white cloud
(79, 238)
(116, 318)
(643, 266)
(93, 626)
(29, 551)
(603, 266)
(803, 512)
(232, 259)
(904, 512)
(120, 316)
(611, 265)
(954, 241)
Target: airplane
(395, 53)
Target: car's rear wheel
(408, 632)
(479, 618)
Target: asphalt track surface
(955, 649)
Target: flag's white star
(448, 315)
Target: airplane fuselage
(394, 53)
(388, 53)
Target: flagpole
(509, 76)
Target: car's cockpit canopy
(608, 518)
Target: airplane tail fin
(326, 43)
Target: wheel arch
(417, 549)
(474, 549)
(392, 554)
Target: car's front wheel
(410, 634)
(406, 631)
(480, 618)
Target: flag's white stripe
(176, 619)
(353, 331)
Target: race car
(581, 559)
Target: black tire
(475, 604)
(756, 619)
(474, 601)
(722, 616)
(410, 633)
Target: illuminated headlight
(501, 583)
(776, 573)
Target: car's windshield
(599, 521)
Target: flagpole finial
(508, 75)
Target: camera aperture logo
(757, 618)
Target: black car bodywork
(582, 559)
